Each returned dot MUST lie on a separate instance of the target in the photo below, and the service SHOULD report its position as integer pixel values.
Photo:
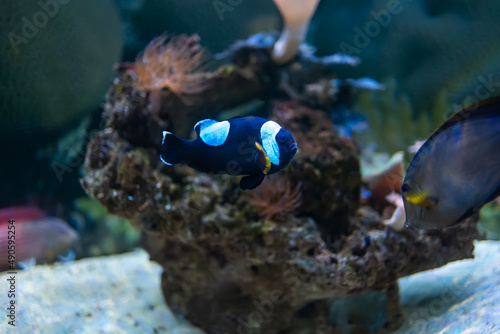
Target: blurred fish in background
(38, 238)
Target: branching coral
(173, 63)
(297, 14)
(275, 198)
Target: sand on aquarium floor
(114, 294)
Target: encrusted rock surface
(231, 271)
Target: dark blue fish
(250, 146)
(457, 170)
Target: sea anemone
(398, 217)
(382, 177)
(173, 63)
(297, 14)
(275, 198)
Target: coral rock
(226, 268)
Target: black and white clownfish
(249, 146)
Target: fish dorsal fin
(268, 133)
(211, 132)
(482, 109)
(262, 159)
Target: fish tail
(172, 149)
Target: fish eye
(281, 138)
(405, 188)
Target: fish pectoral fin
(262, 159)
(251, 181)
(423, 200)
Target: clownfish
(457, 170)
(250, 146)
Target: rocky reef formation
(231, 264)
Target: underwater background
(98, 234)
